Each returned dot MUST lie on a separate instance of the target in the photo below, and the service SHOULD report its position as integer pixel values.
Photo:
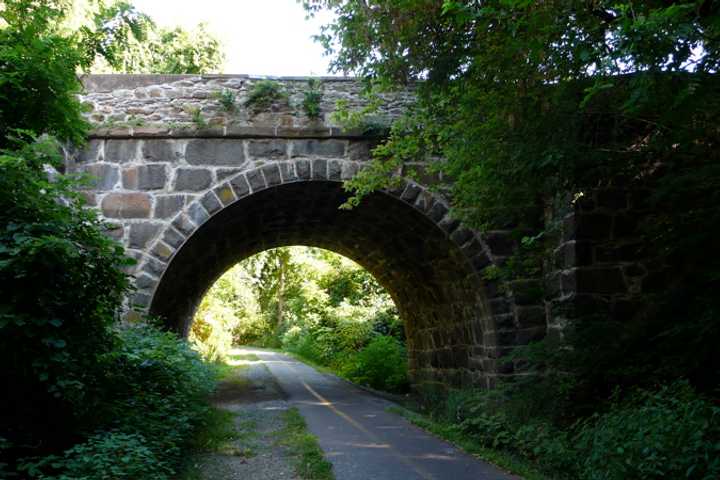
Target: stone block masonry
(158, 104)
(189, 200)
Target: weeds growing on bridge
(312, 98)
(226, 98)
(264, 94)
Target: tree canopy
(523, 97)
(525, 105)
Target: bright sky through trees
(260, 37)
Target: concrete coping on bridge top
(114, 81)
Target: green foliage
(382, 365)
(120, 38)
(37, 73)
(154, 392)
(264, 94)
(525, 100)
(66, 286)
(668, 433)
(196, 117)
(308, 458)
(111, 30)
(181, 51)
(226, 98)
(105, 456)
(117, 404)
(312, 98)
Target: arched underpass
(436, 290)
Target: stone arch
(458, 325)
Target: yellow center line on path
(374, 438)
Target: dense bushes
(154, 397)
(382, 364)
(120, 405)
(668, 432)
(104, 456)
(66, 283)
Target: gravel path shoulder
(252, 394)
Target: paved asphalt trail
(360, 438)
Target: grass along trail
(256, 433)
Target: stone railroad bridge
(192, 187)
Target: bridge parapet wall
(160, 104)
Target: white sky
(260, 37)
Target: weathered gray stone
(166, 206)
(241, 186)
(211, 202)
(268, 149)
(90, 198)
(141, 234)
(162, 251)
(272, 174)
(411, 193)
(145, 177)
(223, 173)
(334, 170)
(349, 169)
(183, 223)
(126, 205)
(424, 201)
(145, 282)
(121, 151)
(319, 169)
(173, 238)
(303, 169)
(360, 150)
(256, 180)
(205, 151)
(103, 176)
(451, 338)
(140, 300)
(437, 212)
(319, 148)
(153, 267)
(160, 151)
(287, 171)
(197, 213)
(91, 153)
(449, 224)
(192, 179)
(461, 236)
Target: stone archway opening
(435, 288)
